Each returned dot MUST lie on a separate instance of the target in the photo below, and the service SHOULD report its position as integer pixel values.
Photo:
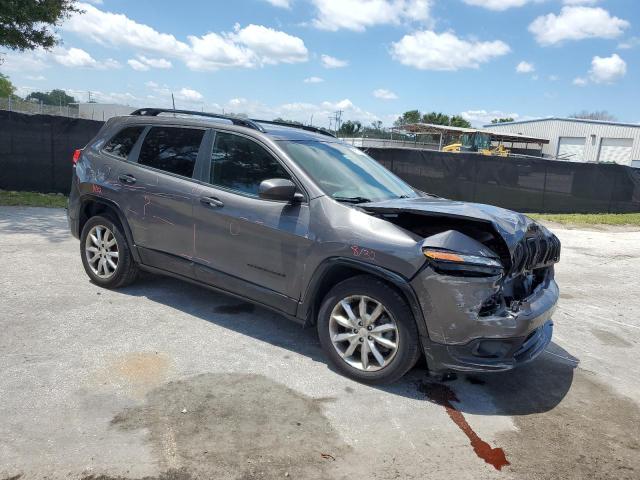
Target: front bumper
(462, 338)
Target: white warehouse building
(579, 140)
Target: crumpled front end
(487, 290)
(480, 321)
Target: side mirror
(278, 189)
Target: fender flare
(306, 307)
(84, 199)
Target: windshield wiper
(352, 199)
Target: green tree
(350, 128)
(502, 120)
(54, 97)
(283, 120)
(412, 116)
(28, 24)
(598, 115)
(376, 126)
(6, 87)
(436, 118)
(458, 121)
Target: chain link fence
(13, 104)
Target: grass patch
(589, 218)
(32, 199)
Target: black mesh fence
(36, 151)
(525, 185)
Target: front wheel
(367, 330)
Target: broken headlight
(462, 264)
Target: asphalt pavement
(166, 380)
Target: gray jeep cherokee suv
(295, 220)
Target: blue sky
(372, 58)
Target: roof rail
(243, 122)
(308, 128)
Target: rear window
(172, 149)
(122, 144)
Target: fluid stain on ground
(234, 426)
(443, 395)
(136, 372)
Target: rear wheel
(367, 330)
(105, 253)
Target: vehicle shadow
(533, 388)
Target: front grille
(535, 251)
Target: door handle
(128, 179)
(211, 202)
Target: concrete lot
(164, 380)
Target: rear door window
(122, 144)
(171, 149)
(240, 164)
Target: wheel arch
(337, 269)
(91, 205)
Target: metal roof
(566, 119)
(497, 136)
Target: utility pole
(337, 118)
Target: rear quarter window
(122, 143)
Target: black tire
(408, 351)
(126, 270)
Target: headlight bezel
(462, 264)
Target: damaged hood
(511, 226)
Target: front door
(245, 244)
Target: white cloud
(280, 3)
(478, 118)
(155, 62)
(358, 15)
(27, 61)
(270, 46)
(580, 82)
(35, 78)
(553, 78)
(299, 111)
(525, 67)
(248, 47)
(576, 23)
(331, 62)
(580, 2)
(384, 94)
(151, 84)
(607, 69)
(631, 42)
(189, 95)
(313, 80)
(78, 58)
(497, 5)
(137, 65)
(428, 50)
(142, 63)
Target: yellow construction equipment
(479, 142)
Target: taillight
(76, 155)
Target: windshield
(346, 173)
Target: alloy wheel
(101, 250)
(363, 333)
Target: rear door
(245, 244)
(160, 194)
